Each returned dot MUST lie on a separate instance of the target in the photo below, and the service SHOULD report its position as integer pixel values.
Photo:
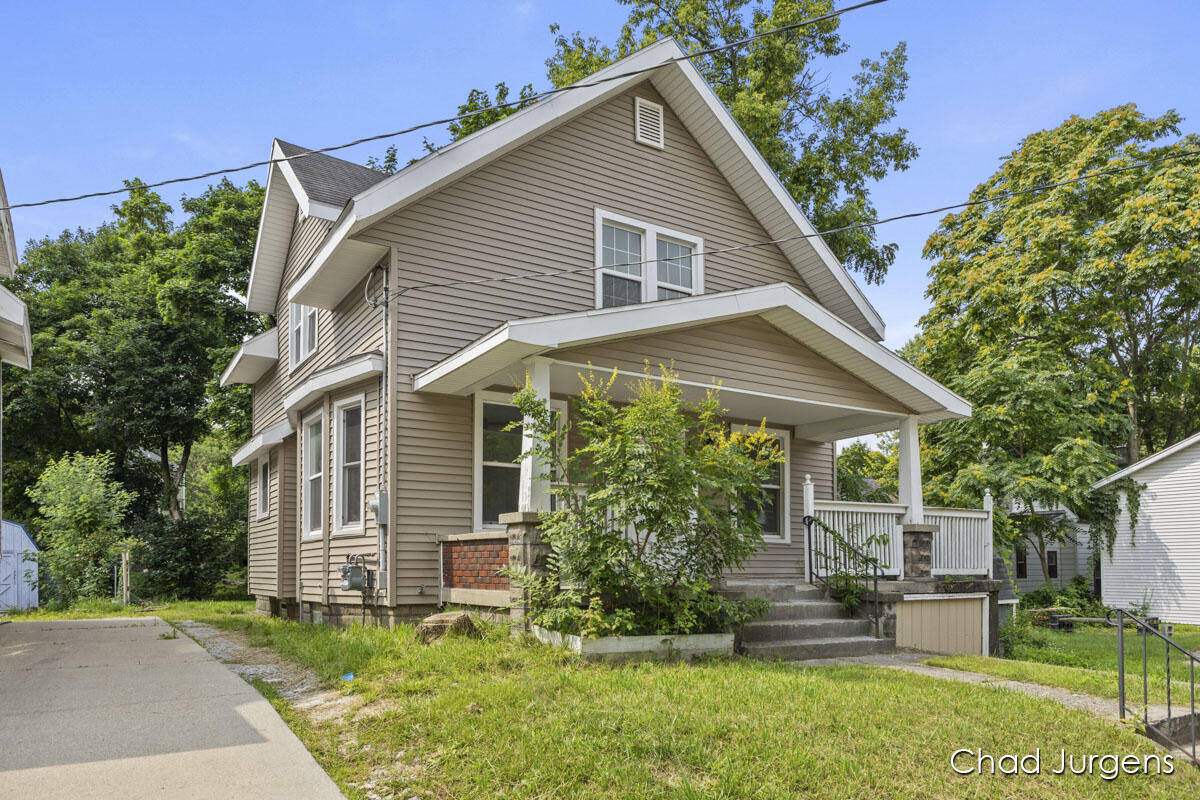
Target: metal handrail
(1192, 659)
(846, 553)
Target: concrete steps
(803, 624)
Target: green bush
(1024, 641)
(182, 559)
(657, 500)
(1076, 597)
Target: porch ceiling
(496, 358)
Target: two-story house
(627, 221)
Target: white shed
(1161, 564)
(18, 574)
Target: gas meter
(355, 575)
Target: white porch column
(909, 453)
(534, 489)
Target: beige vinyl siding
(949, 625)
(288, 523)
(262, 557)
(746, 354)
(1160, 561)
(531, 210)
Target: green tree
(867, 475)
(828, 147)
(81, 518)
(657, 499)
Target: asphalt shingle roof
(327, 179)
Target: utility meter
(353, 578)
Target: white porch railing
(962, 545)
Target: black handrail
(1147, 630)
(843, 558)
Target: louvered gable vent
(648, 123)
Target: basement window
(648, 123)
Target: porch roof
(490, 359)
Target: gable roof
(1148, 460)
(8, 238)
(341, 261)
(317, 185)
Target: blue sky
(95, 93)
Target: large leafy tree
(828, 147)
(1069, 317)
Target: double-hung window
(497, 456)
(1022, 563)
(773, 515)
(302, 327)
(638, 262)
(313, 459)
(1052, 564)
(348, 444)
(264, 487)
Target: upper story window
(302, 327)
(639, 262)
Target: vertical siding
(1162, 560)
(532, 209)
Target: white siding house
(1161, 562)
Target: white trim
(650, 234)
(16, 345)
(785, 489)
(946, 596)
(1011, 602)
(660, 142)
(340, 262)
(477, 463)
(253, 359)
(1148, 460)
(270, 254)
(353, 369)
(267, 438)
(8, 236)
(339, 528)
(299, 348)
(263, 509)
(781, 304)
(492, 598)
(307, 533)
(308, 206)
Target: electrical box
(379, 507)
(354, 578)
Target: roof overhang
(1137, 466)
(269, 437)
(348, 372)
(253, 359)
(341, 261)
(16, 348)
(8, 238)
(491, 357)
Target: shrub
(183, 559)
(659, 499)
(80, 520)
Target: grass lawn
(1095, 649)
(506, 717)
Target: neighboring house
(18, 568)
(1064, 560)
(380, 428)
(1160, 563)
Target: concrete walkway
(125, 708)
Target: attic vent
(648, 123)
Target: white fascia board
(310, 207)
(14, 321)
(252, 360)
(452, 162)
(266, 269)
(781, 195)
(8, 237)
(1147, 461)
(265, 440)
(331, 378)
(525, 337)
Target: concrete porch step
(773, 591)
(803, 609)
(804, 630)
(834, 647)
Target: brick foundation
(475, 564)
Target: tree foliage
(1069, 318)
(657, 499)
(867, 475)
(80, 524)
(827, 146)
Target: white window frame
(651, 233)
(339, 528)
(299, 350)
(785, 489)
(263, 501)
(306, 531)
(496, 398)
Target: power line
(519, 102)
(843, 229)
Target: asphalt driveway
(117, 708)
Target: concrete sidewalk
(109, 708)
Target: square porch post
(909, 453)
(534, 491)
